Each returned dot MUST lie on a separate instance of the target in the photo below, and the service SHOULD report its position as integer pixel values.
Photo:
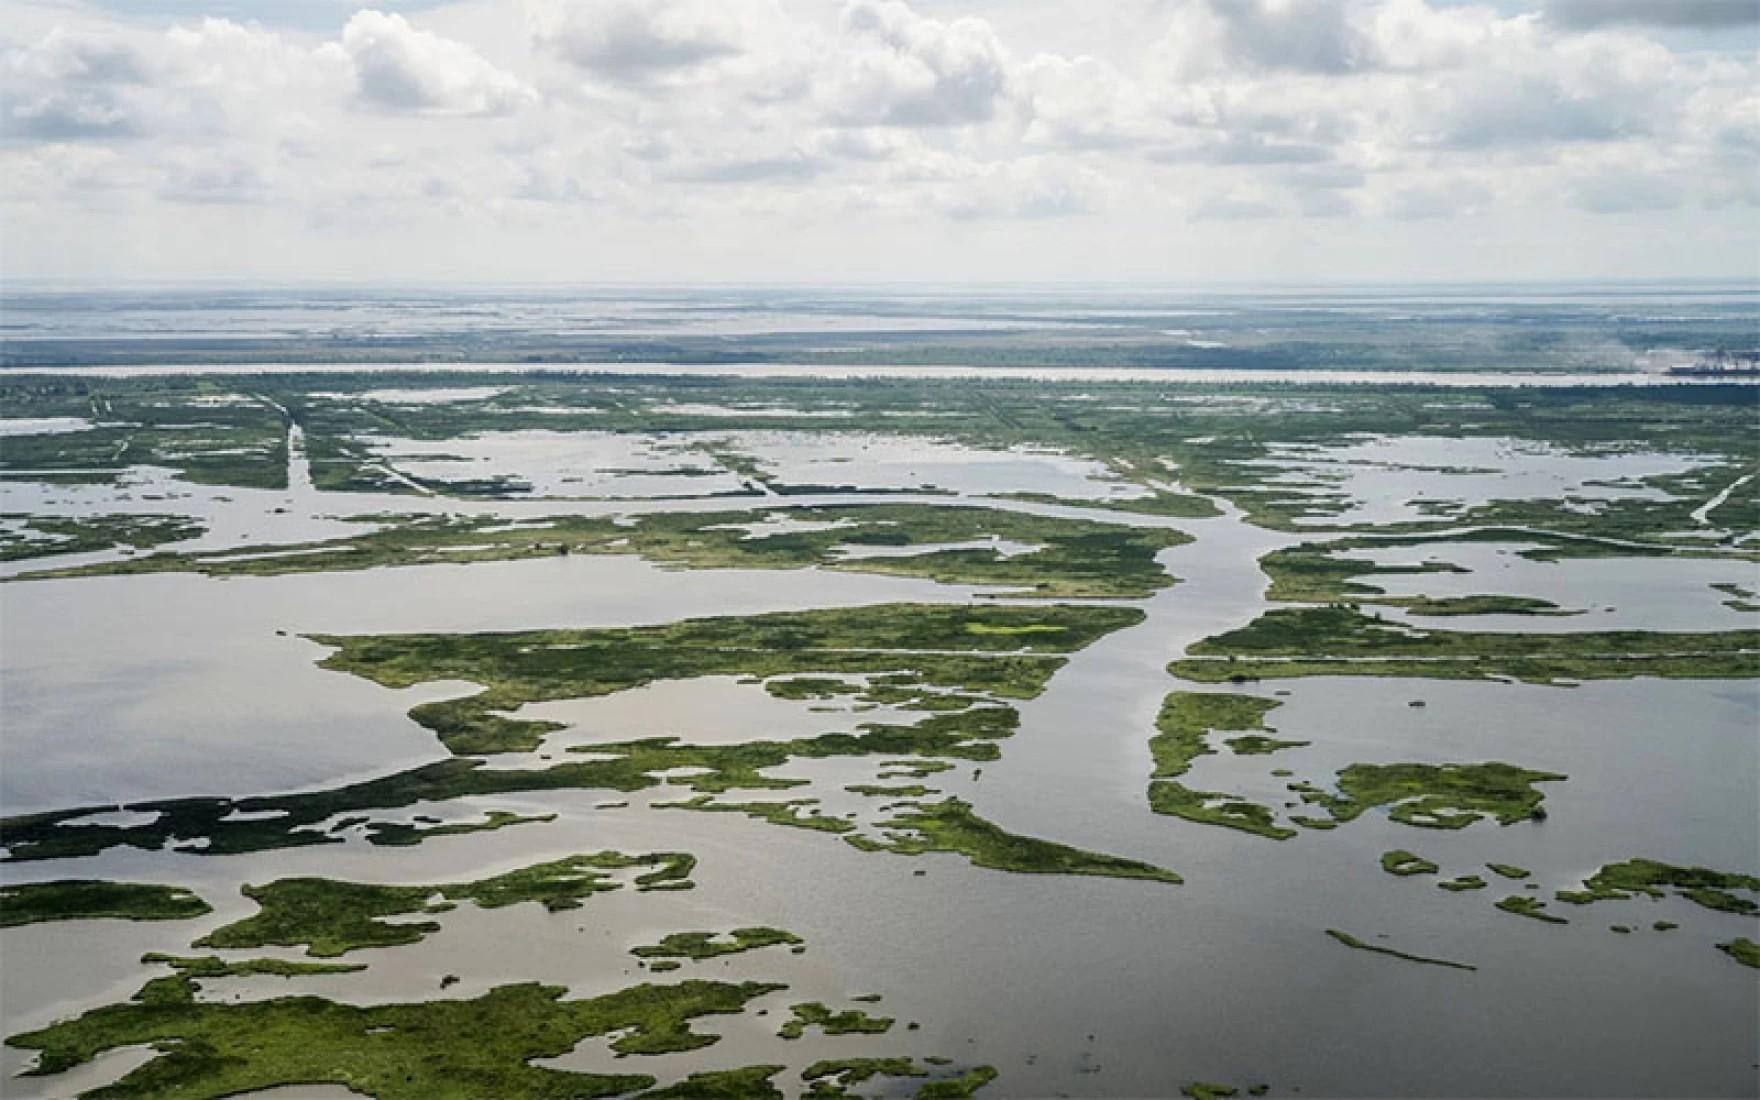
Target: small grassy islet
(1401, 862)
(1351, 941)
(96, 899)
(710, 945)
(853, 1021)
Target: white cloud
(400, 68)
(745, 129)
(1319, 36)
(643, 39)
(903, 69)
(1661, 13)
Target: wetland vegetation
(1342, 641)
(955, 680)
(431, 1050)
(1351, 941)
(1062, 558)
(329, 917)
(710, 945)
(91, 899)
(34, 536)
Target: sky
(845, 141)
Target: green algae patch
(1509, 870)
(1719, 890)
(853, 1021)
(96, 899)
(745, 1083)
(431, 1050)
(1207, 1090)
(1401, 862)
(951, 826)
(1351, 941)
(1524, 906)
(329, 917)
(1340, 640)
(711, 945)
(1742, 950)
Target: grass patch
(934, 643)
(1075, 558)
(951, 826)
(213, 966)
(1436, 796)
(1401, 862)
(1719, 890)
(96, 899)
(401, 833)
(745, 1083)
(329, 917)
(1524, 906)
(1342, 641)
(1742, 950)
(431, 1050)
(1182, 734)
(25, 536)
(1351, 941)
(794, 812)
(711, 945)
(852, 1021)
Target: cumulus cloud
(776, 117)
(905, 69)
(69, 87)
(1705, 14)
(643, 39)
(400, 68)
(1315, 36)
